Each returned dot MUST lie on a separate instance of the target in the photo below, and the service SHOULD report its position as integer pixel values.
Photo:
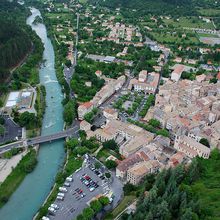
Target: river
(30, 195)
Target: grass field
(127, 200)
(169, 38)
(193, 22)
(206, 35)
(210, 12)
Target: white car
(51, 210)
(62, 189)
(91, 189)
(69, 179)
(60, 198)
(55, 206)
(45, 218)
(66, 184)
(61, 194)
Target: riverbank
(7, 165)
(13, 180)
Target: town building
(191, 147)
(136, 173)
(110, 113)
(146, 82)
(84, 109)
(177, 72)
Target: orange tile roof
(87, 104)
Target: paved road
(8, 147)
(72, 132)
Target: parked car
(62, 189)
(55, 206)
(69, 179)
(66, 184)
(51, 210)
(60, 198)
(61, 194)
(91, 189)
(45, 218)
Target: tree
(96, 206)
(81, 150)
(104, 200)
(154, 122)
(27, 119)
(213, 80)
(82, 134)
(97, 165)
(89, 117)
(111, 144)
(80, 217)
(72, 143)
(128, 188)
(205, 142)
(2, 120)
(68, 63)
(163, 132)
(69, 112)
(110, 164)
(108, 175)
(2, 130)
(88, 213)
(187, 215)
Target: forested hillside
(14, 43)
(183, 7)
(175, 8)
(182, 193)
(18, 43)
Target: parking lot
(12, 130)
(85, 186)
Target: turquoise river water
(32, 192)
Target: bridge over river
(40, 140)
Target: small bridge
(72, 132)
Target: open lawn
(193, 22)
(127, 200)
(210, 12)
(169, 38)
(206, 35)
(83, 1)
(105, 153)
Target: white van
(61, 194)
(60, 198)
(62, 189)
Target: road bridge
(72, 132)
